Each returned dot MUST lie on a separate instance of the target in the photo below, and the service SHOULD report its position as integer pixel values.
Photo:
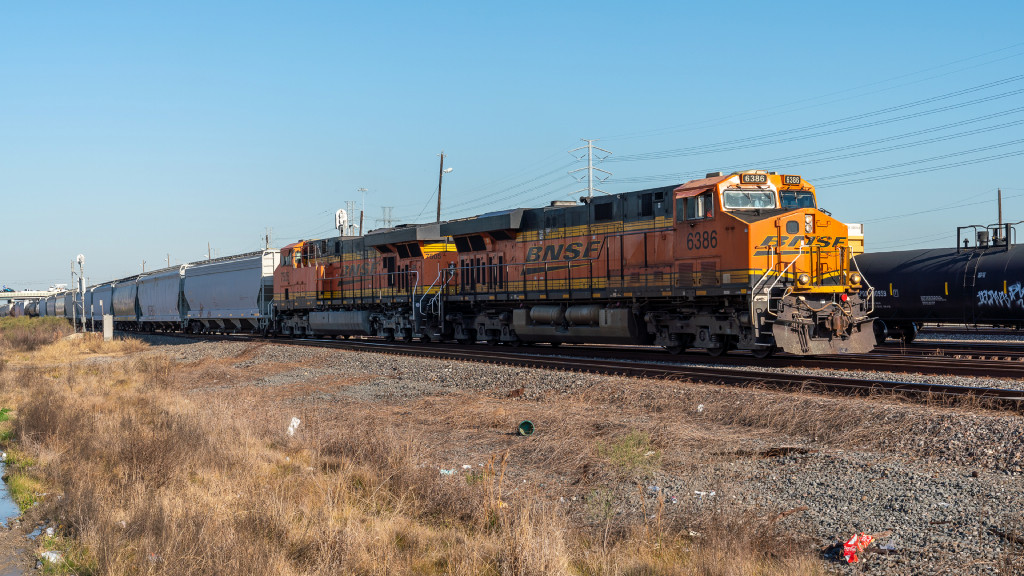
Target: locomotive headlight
(809, 223)
(803, 280)
(855, 279)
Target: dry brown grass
(157, 477)
(24, 334)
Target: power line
(809, 157)
(922, 170)
(777, 137)
(721, 121)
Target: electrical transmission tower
(385, 218)
(590, 168)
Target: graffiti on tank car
(1012, 299)
(794, 241)
(566, 251)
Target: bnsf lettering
(356, 269)
(794, 241)
(571, 251)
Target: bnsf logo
(571, 251)
(358, 269)
(794, 241)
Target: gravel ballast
(947, 483)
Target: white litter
(294, 425)
(51, 556)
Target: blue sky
(130, 131)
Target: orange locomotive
(743, 261)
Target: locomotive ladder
(764, 295)
(436, 303)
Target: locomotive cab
(793, 274)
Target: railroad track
(644, 363)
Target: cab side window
(699, 207)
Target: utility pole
(207, 250)
(440, 179)
(73, 323)
(143, 266)
(81, 286)
(362, 210)
(590, 168)
(267, 238)
(168, 259)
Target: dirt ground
(821, 467)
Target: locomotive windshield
(797, 199)
(749, 199)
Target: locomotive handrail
(871, 289)
(780, 276)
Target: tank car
(981, 284)
(739, 261)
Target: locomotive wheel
(719, 350)
(675, 349)
(492, 341)
(556, 344)
(389, 336)
(462, 341)
(407, 336)
(425, 338)
(764, 351)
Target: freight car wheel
(763, 351)
(909, 332)
(881, 332)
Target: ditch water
(13, 546)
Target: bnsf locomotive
(741, 261)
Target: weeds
(154, 481)
(632, 454)
(24, 334)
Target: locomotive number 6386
(702, 240)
